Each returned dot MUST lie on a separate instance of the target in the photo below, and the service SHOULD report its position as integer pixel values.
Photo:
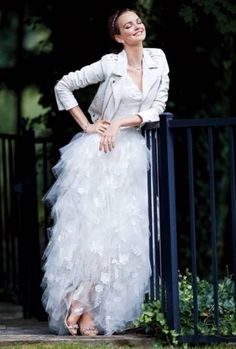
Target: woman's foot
(71, 320)
(86, 325)
(71, 324)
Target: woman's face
(132, 30)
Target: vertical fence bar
(213, 226)
(162, 293)
(233, 202)
(1, 221)
(6, 239)
(12, 275)
(150, 214)
(155, 213)
(45, 186)
(192, 226)
(168, 223)
(150, 131)
(14, 223)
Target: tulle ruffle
(98, 252)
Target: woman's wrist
(117, 123)
(85, 128)
(88, 127)
(132, 120)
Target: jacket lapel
(119, 73)
(150, 71)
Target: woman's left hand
(108, 139)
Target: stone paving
(13, 328)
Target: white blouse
(131, 99)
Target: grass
(108, 346)
(64, 346)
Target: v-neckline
(141, 91)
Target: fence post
(169, 259)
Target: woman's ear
(118, 38)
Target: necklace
(136, 67)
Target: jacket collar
(120, 68)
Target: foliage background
(198, 38)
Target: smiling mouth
(138, 33)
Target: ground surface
(15, 329)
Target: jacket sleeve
(90, 74)
(159, 103)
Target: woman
(97, 265)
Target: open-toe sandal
(88, 331)
(73, 328)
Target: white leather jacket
(110, 71)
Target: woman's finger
(106, 122)
(100, 129)
(104, 127)
(105, 145)
(108, 141)
(101, 145)
(113, 142)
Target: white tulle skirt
(98, 252)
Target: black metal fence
(193, 176)
(192, 214)
(24, 176)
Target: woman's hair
(113, 27)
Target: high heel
(73, 329)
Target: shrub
(153, 322)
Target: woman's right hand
(99, 126)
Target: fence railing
(193, 176)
